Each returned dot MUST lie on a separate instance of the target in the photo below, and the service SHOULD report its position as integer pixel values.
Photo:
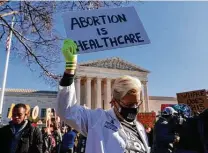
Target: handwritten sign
(10, 111)
(147, 119)
(104, 29)
(197, 100)
(35, 112)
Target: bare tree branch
(2, 33)
(36, 40)
(9, 13)
(30, 53)
(3, 2)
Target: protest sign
(147, 119)
(48, 113)
(197, 100)
(34, 113)
(10, 111)
(105, 29)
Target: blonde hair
(125, 85)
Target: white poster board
(105, 29)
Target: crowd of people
(62, 140)
(181, 132)
(173, 132)
(21, 136)
(105, 131)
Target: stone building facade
(93, 84)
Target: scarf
(17, 133)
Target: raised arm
(73, 114)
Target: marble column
(98, 102)
(143, 101)
(93, 94)
(107, 94)
(77, 86)
(146, 97)
(88, 92)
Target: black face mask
(129, 114)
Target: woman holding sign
(112, 131)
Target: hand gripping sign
(69, 51)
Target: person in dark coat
(149, 132)
(58, 137)
(202, 129)
(189, 132)
(81, 144)
(47, 141)
(68, 141)
(164, 137)
(190, 128)
(20, 136)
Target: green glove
(69, 51)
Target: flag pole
(8, 47)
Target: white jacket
(92, 123)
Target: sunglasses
(133, 105)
